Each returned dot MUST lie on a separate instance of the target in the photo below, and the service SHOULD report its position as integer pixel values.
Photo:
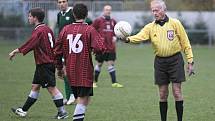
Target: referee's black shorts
(45, 75)
(169, 69)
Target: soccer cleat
(94, 85)
(19, 112)
(71, 100)
(117, 85)
(61, 115)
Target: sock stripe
(80, 119)
(111, 69)
(78, 116)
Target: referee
(168, 39)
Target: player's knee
(53, 90)
(84, 100)
(110, 63)
(163, 95)
(98, 68)
(35, 87)
(111, 68)
(177, 95)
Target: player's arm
(58, 53)
(143, 35)
(95, 24)
(186, 47)
(97, 42)
(31, 43)
(27, 47)
(114, 39)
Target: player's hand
(190, 69)
(60, 74)
(114, 39)
(64, 70)
(12, 54)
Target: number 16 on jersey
(75, 44)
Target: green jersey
(64, 18)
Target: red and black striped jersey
(106, 29)
(76, 43)
(41, 42)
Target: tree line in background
(16, 20)
(174, 5)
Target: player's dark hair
(80, 11)
(39, 13)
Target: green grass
(137, 101)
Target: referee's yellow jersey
(166, 40)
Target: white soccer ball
(122, 29)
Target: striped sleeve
(143, 35)
(184, 41)
(30, 44)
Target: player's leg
(83, 98)
(177, 76)
(49, 82)
(68, 91)
(162, 80)
(99, 62)
(110, 58)
(176, 88)
(69, 94)
(32, 98)
(57, 97)
(163, 92)
(80, 108)
(98, 67)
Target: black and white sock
(163, 110)
(32, 98)
(58, 100)
(79, 112)
(112, 73)
(97, 72)
(179, 109)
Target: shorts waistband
(178, 53)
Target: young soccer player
(76, 43)
(41, 42)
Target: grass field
(137, 101)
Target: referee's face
(63, 5)
(158, 11)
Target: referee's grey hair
(160, 2)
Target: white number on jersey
(50, 40)
(75, 44)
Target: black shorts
(169, 69)
(45, 75)
(82, 91)
(105, 57)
